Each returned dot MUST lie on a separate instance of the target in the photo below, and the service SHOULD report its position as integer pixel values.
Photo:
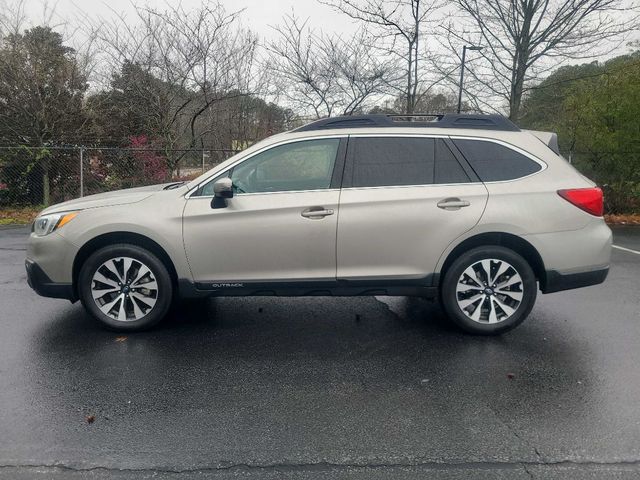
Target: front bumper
(42, 284)
(557, 282)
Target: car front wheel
(489, 290)
(125, 287)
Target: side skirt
(423, 287)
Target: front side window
(494, 162)
(305, 165)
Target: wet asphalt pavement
(360, 388)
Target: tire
(503, 304)
(128, 272)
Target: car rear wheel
(125, 287)
(489, 290)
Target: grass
(18, 215)
(625, 219)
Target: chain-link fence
(36, 177)
(46, 175)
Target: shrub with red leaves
(154, 166)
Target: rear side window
(447, 168)
(494, 162)
(387, 161)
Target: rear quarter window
(493, 162)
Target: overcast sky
(258, 14)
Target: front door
(280, 225)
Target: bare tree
(12, 17)
(298, 71)
(361, 75)
(524, 39)
(194, 58)
(324, 74)
(400, 30)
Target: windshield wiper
(171, 186)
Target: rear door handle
(453, 203)
(316, 213)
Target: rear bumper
(556, 281)
(42, 284)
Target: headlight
(48, 223)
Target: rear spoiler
(550, 139)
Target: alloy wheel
(489, 291)
(124, 288)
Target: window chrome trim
(459, 137)
(421, 185)
(190, 193)
(508, 145)
(505, 144)
(280, 192)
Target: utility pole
(204, 156)
(460, 86)
(81, 172)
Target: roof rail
(446, 120)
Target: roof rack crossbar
(446, 120)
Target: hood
(117, 197)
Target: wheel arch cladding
(507, 240)
(113, 238)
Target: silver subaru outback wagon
(469, 209)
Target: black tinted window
(386, 161)
(494, 162)
(447, 168)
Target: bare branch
(323, 74)
(400, 29)
(522, 36)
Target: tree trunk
(514, 106)
(45, 182)
(515, 99)
(517, 87)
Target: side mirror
(222, 190)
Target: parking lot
(322, 387)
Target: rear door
(404, 200)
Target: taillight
(588, 199)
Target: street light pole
(464, 56)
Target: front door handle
(452, 203)
(316, 213)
